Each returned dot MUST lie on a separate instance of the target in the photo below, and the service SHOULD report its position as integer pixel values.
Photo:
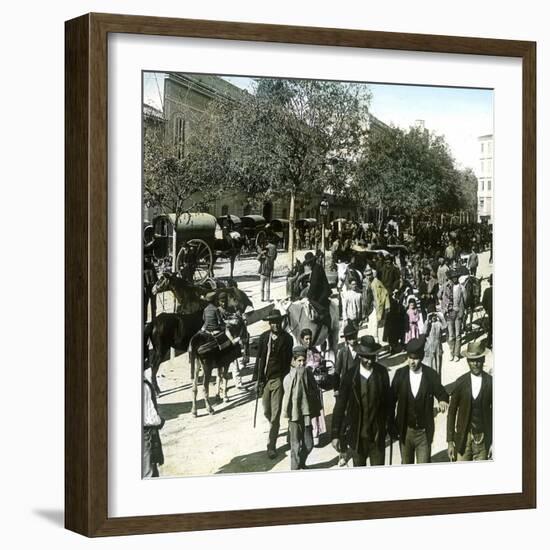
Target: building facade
(185, 98)
(485, 178)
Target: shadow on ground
(254, 462)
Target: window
(490, 166)
(490, 148)
(179, 136)
(482, 148)
(482, 166)
(482, 185)
(488, 185)
(285, 213)
(225, 210)
(481, 203)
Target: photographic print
(317, 274)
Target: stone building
(485, 178)
(185, 97)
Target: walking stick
(256, 406)
(391, 450)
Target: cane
(256, 405)
(391, 450)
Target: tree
(178, 183)
(412, 170)
(284, 138)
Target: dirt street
(226, 441)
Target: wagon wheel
(261, 239)
(202, 258)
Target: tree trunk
(291, 223)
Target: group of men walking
(369, 411)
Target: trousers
(272, 401)
(416, 443)
(454, 326)
(473, 450)
(301, 443)
(368, 450)
(265, 283)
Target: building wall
(485, 177)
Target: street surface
(226, 441)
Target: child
(352, 305)
(313, 360)
(415, 319)
(433, 350)
(300, 404)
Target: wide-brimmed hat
(416, 346)
(368, 346)
(349, 330)
(475, 350)
(309, 258)
(274, 316)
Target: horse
(299, 318)
(215, 359)
(229, 247)
(175, 330)
(169, 330)
(190, 298)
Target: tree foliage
(412, 170)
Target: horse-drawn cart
(199, 241)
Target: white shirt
(352, 351)
(415, 378)
(476, 385)
(365, 373)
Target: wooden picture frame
(86, 280)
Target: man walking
(272, 365)
(362, 410)
(266, 257)
(470, 420)
(453, 306)
(473, 262)
(413, 388)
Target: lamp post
(323, 211)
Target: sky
(461, 115)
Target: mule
(217, 359)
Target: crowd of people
(403, 293)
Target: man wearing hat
(470, 420)
(453, 306)
(389, 275)
(211, 316)
(301, 403)
(413, 388)
(266, 257)
(272, 365)
(362, 409)
(345, 356)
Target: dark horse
(228, 247)
(216, 359)
(175, 330)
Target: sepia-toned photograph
(317, 274)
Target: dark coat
(319, 289)
(430, 386)
(390, 276)
(347, 417)
(285, 350)
(460, 410)
(344, 362)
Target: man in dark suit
(272, 365)
(345, 357)
(413, 389)
(470, 420)
(361, 413)
(389, 275)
